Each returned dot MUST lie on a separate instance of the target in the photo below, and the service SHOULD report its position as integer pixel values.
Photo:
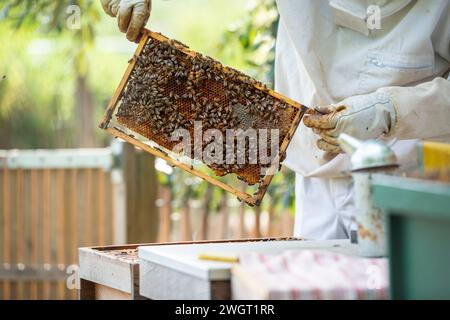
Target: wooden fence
(51, 203)
(233, 220)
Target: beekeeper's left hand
(363, 117)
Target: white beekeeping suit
(327, 56)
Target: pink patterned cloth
(318, 274)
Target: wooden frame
(254, 199)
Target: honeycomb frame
(131, 132)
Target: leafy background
(59, 80)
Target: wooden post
(257, 225)
(186, 229)
(141, 192)
(165, 211)
(271, 220)
(287, 223)
(242, 207)
(85, 123)
(224, 213)
(204, 223)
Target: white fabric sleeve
(423, 111)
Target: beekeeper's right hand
(132, 15)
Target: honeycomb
(170, 89)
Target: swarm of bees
(169, 90)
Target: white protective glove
(132, 15)
(363, 117)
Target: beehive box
(112, 272)
(418, 220)
(175, 272)
(109, 273)
(207, 119)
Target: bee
(162, 76)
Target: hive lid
(184, 257)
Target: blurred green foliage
(56, 17)
(34, 111)
(42, 58)
(50, 66)
(255, 37)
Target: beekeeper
(375, 69)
